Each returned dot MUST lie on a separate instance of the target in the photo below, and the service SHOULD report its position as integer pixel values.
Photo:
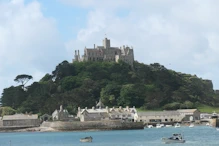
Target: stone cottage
(100, 113)
(189, 115)
(21, 120)
(93, 114)
(158, 117)
(122, 113)
(60, 115)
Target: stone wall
(93, 125)
(20, 123)
(1, 123)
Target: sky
(37, 35)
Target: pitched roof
(100, 104)
(120, 113)
(96, 115)
(95, 110)
(159, 113)
(19, 117)
(186, 110)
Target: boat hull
(167, 140)
(86, 140)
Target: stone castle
(106, 53)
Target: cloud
(182, 35)
(29, 41)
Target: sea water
(196, 136)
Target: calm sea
(196, 136)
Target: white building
(60, 115)
(189, 114)
(99, 113)
(158, 117)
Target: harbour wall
(92, 125)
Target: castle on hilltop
(106, 53)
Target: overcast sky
(36, 35)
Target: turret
(106, 43)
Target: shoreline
(49, 129)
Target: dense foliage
(83, 83)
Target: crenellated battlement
(106, 53)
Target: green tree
(110, 94)
(23, 79)
(13, 96)
(6, 111)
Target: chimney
(94, 46)
(61, 108)
(107, 109)
(85, 108)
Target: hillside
(83, 83)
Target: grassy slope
(208, 109)
(202, 108)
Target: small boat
(217, 129)
(158, 126)
(150, 126)
(176, 138)
(86, 139)
(191, 125)
(207, 124)
(177, 125)
(168, 125)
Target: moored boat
(177, 125)
(150, 126)
(86, 139)
(191, 125)
(176, 138)
(158, 126)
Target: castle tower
(76, 56)
(106, 43)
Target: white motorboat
(168, 125)
(86, 139)
(191, 125)
(150, 126)
(159, 126)
(207, 124)
(177, 125)
(176, 138)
